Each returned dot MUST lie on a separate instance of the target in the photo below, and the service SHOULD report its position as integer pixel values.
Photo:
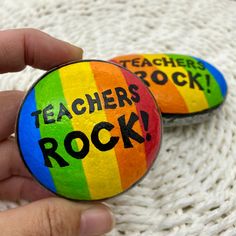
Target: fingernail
(77, 52)
(96, 221)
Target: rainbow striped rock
(187, 89)
(89, 130)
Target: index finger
(21, 47)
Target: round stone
(89, 130)
(187, 89)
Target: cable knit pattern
(191, 188)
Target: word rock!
(187, 89)
(89, 130)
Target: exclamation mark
(145, 118)
(208, 79)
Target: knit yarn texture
(190, 189)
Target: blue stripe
(217, 75)
(28, 137)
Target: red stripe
(147, 103)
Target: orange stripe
(131, 161)
(168, 97)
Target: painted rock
(89, 130)
(187, 89)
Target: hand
(50, 216)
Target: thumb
(56, 216)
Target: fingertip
(96, 220)
(69, 51)
(76, 52)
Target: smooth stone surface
(89, 130)
(187, 89)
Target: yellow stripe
(100, 168)
(195, 99)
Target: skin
(46, 215)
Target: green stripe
(70, 181)
(214, 97)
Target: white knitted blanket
(190, 190)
